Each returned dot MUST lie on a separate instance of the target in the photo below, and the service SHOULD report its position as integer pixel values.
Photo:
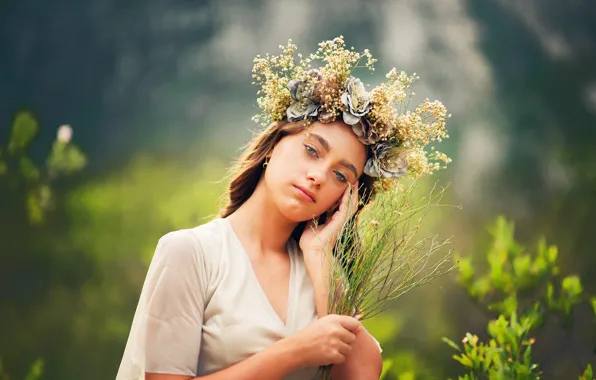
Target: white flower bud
(64, 134)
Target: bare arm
(274, 362)
(363, 363)
(325, 341)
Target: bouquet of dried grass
(379, 256)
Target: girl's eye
(310, 150)
(313, 152)
(341, 177)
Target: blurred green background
(159, 97)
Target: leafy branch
(19, 172)
(515, 282)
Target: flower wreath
(397, 138)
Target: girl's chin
(296, 210)
(298, 214)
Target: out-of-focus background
(158, 98)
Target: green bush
(515, 282)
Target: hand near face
(317, 238)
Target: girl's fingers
(348, 204)
(344, 201)
(346, 197)
(354, 197)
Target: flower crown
(397, 138)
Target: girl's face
(309, 171)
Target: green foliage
(35, 371)
(25, 176)
(24, 129)
(28, 169)
(143, 201)
(569, 295)
(387, 364)
(507, 355)
(65, 159)
(398, 363)
(511, 269)
(588, 374)
(514, 283)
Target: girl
(244, 296)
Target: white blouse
(202, 308)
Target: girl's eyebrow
(322, 141)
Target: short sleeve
(165, 335)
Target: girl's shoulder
(191, 246)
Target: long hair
(246, 172)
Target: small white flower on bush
(64, 134)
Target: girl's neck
(260, 224)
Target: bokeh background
(159, 97)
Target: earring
(266, 162)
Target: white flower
(64, 134)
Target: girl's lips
(305, 193)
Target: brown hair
(246, 172)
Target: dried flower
(302, 110)
(327, 117)
(303, 107)
(315, 74)
(388, 161)
(366, 134)
(356, 101)
(327, 92)
(299, 90)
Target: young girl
(245, 295)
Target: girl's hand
(316, 243)
(326, 341)
(317, 238)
